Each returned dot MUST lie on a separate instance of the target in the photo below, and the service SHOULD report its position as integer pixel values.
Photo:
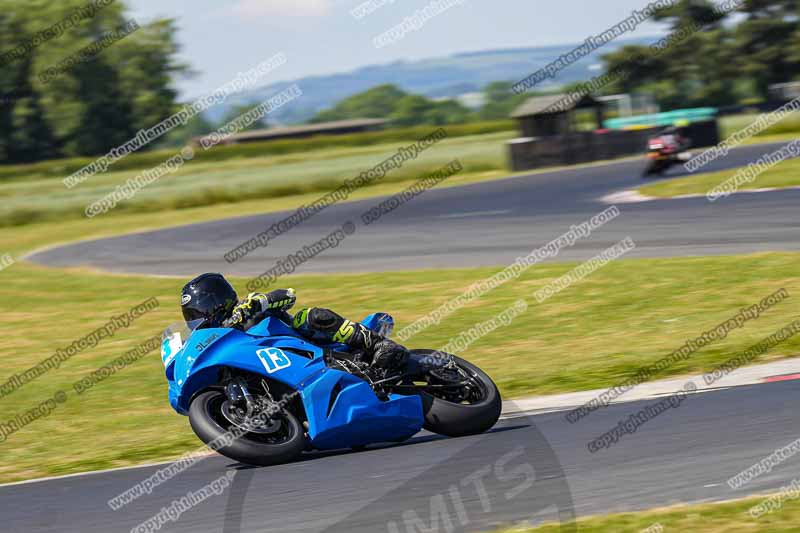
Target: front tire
(461, 419)
(210, 425)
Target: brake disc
(238, 417)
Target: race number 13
(273, 359)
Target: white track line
(633, 196)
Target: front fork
(238, 394)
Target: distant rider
(672, 136)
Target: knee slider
(322, 319)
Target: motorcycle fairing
(342, 409)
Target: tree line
(102, 100)
(732, 58)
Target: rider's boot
(388, 355)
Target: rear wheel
(460, 399)
(267, 441)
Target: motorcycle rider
(212, 298)
(672, 136)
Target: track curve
(483, 224)
(686, 455)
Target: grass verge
(236, 181)
(784, 174)
(729, 517)
(591, 335)
(789, 126)
(60, 168)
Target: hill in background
(446, 77)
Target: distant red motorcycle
(666, 150)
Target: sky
(220, 38)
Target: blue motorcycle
(264, 396)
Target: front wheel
(266, 442)
(458, 400)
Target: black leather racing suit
(317, 324)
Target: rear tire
(458, 419)
(205, 419)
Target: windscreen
(175, 337)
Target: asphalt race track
(483, 224)
(684, 455)
(530, 467)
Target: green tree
(448, 112)
(401, 108)
(768, 42)
(238, 110)
(96, 104)
(699, 69)
(378, 102)
(197, 126)
(412, 110)
(500, 101)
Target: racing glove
(256, 305)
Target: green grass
(237, 175)
(733, 123)
(201, 183)
(784, 131)
(210, 191)
(784, 174)
(594, 334)
(729, 517)
(60, 168)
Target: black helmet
(208, 296)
